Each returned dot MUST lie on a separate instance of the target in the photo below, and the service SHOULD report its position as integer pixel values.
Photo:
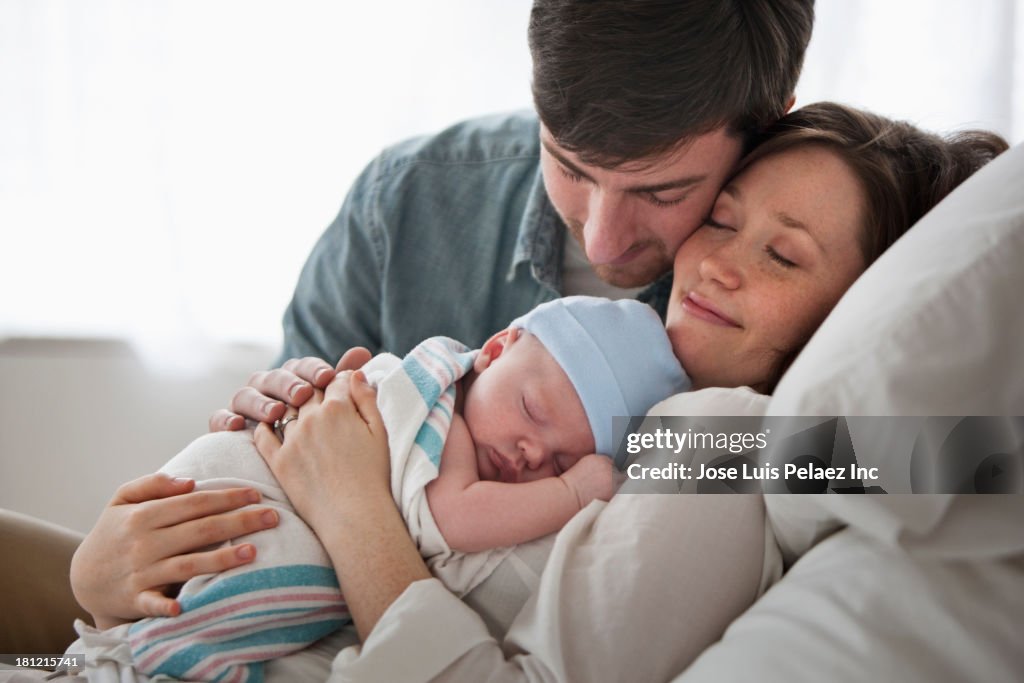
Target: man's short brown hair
(626, 80)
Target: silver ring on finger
(280, 424)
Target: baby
(489, 449)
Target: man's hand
(591, 479)
(269, 393)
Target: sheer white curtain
(942, 65)
(166, 166)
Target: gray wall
(79, 417)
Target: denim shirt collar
(541, 238)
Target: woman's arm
(147, 539)
(633, 593)
(345, 496)
(635, 589)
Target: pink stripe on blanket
(241, 673)
(438, 362)
(252, 655)
(168, 631)
(179, 623)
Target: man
(644, 107)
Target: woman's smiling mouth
(702, 308)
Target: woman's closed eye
(772, 252)
(712, 223)
(779, 258)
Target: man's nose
(608, 231)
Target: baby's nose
(532, 454)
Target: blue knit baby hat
(616, 354)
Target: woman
(823, 194)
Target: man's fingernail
(319, 374)
(245, 552)
(295, 389)
(268, 408)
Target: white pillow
(934, 327)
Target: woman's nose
(721, 265)
(608, 232)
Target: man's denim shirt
(451, 234)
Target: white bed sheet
(852, 609)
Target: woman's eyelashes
(772, 253)
(712, 223)
(779, 258)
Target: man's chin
(631, 276)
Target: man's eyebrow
(564, 161)
(679, 183)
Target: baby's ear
(494, 347)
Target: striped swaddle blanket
(288, 597)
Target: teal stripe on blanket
(234, 588)
(230, 591)
(425, 383)
(431, 443)
(262, 579)
(456, 357)
(181, 662)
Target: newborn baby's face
(524, 415)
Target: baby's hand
(591, 478)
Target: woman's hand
(335, 454)
(335, 468)
(147, 538)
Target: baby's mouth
(506, 470)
